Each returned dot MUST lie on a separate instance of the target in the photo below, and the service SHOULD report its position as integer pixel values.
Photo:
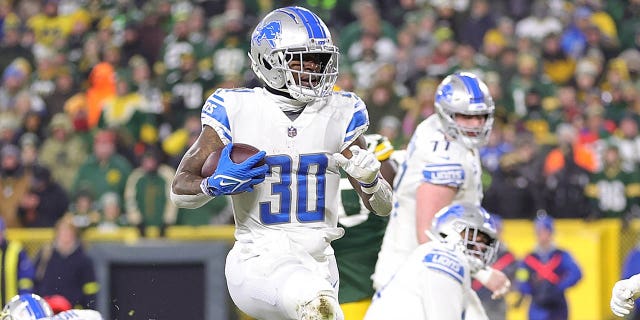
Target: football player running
(33, 307)
(282, 265)
(435, 281)
(623, 295)
(442, 165)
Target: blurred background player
(623, 294)
(546, 273)
(435, 281)
(286, 211)
(33, 307)
(357, 251)
(64, 268)
(442, 165)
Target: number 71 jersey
(301, 187)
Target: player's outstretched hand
(622, 296)
(495, 280)
(232, 178)
(363, 165)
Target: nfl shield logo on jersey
(292, 132)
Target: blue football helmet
(470, 227)
(26, 307)
(294, 33)
(463, 93)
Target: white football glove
(363, 165)
(623, 294)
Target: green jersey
(613, 191)
(357, 251)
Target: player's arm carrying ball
(623, 295)
(191, 190)
(364, 175)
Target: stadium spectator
(44, 203)
(613, 191)
(479, 21)
(15, 183)
(63, 151)
(539, 24)
(628, 142)
(546, 273)
(516, 187)
(105, 170)
(102, 86)
(566, 172)
(147, 193)
(63, 268)
(83, 210)
(126, 114)
(111, 217)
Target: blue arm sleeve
(573, 274)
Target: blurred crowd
(100, 99)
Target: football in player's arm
(282, 265)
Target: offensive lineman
(442, 166)
(281, 265)
(435, 281)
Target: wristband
(483, 275)
(370, 188)
(370, 184)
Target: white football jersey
(430, 158)
(434, 283)
(301, 187)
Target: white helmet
(463, 93)
(461, 224)
(26, 307)
(289, 33)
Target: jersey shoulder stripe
(358, 115)
(215, 114)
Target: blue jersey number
(311, 183)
